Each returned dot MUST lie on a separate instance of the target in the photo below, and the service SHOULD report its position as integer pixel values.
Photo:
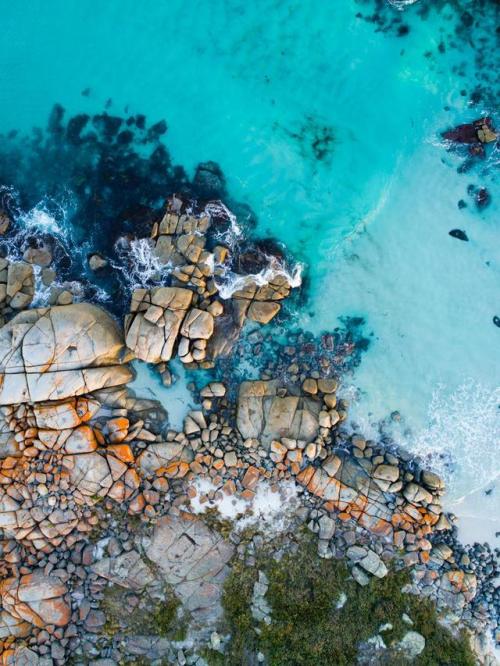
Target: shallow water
(175, 399)
(328, 126)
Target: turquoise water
(329, 130)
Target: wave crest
(232, 282)
(462, 438)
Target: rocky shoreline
(98, 494)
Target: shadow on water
(86, 181)
(97, 177)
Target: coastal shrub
(238, 589)
(320, 615)
(151, 616)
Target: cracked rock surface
(60, 352)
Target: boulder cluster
(98, 492)
(192, 319)
(17, 287)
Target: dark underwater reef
(103, 175)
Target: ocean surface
(325, 119)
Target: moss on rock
(155, 617)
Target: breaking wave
(138, 263)
(232, 282)
(49, 217)
(462, 438)
(216, 209)
(401, 4)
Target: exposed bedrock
(199, 316)
(60, 352)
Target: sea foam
(232, 282)
(462, 437)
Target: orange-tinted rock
(81, 440)
(36, 598)
(122, 451)
(118, 429)
(251, 478)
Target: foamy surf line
(231, 282)
(460, 442)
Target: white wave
(462, 439)
(401, 4)
(232, 282)
(139, 264)
(42, 291)
(234, 231)
(39, 219)
(48, 216)
(101, 295)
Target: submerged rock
(458, 233)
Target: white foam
(478, 515)
(234, 231)
(39, 219)
(139, 263)
(42, 291)
(401, 4)
(462, 438)
(232, 282)
(271, 510)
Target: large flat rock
(264, 415)
(58, 352)
(194, 560)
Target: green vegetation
(307, 627)
(213, 519)
(238, 590)
(151, 617)
(212, 657)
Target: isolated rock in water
(458, 233)
(479, 131)
(54, 353)
(97, 262)
(193, 559)
(483, 197)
